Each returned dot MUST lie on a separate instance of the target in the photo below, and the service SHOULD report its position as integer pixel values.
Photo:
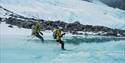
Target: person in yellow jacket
(36, 30)
(57, 36)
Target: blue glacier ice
(17, 47)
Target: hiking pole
(41, 33)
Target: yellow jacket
(57, 33)
(35, 28)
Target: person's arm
(63, 34)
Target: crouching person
(57, 36)
(36, 31)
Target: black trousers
(62, 43)
(40, 37)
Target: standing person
(36, 31)
(57, 36)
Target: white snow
(15, 31)
(68, 10)
(15, 46)
(5, 30)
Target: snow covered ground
(15, 47)
(95, 13)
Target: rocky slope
(25, 22)
(112, 3)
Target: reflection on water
(76, 40)
(92, 39)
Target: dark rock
(0, 19)
(112, 3)
(111, 34)
(122, 32)
(115, 3)
(10, 26)
(76, 33)
(66, 27)
(76, 26)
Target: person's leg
(40, 37)
(62, 44)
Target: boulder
(0, 19)
(10, 26)
(76, 33)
